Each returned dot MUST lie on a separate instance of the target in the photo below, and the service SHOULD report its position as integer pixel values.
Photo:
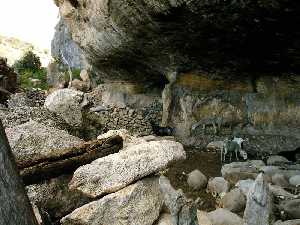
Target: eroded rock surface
(259, 203)
(111, 173)
(137, 204)
(224, 217)
(183, 211)
(67, 104)
(144, 38)
(33, 141)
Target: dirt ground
(208, 163)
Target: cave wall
(265, 109)
(146, 39)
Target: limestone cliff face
(141, 39)
(266, 110)
(65, 49)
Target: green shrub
(29, 68)
(28, 62)
(26, 77)
(76, 73)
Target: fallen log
(68, 160)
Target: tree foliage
(29, 61)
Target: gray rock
(259, 203)
(279, 192)
(80, 85)
(224, 217)
(218, 186)
(291, 208)
(183, 211)
(288, 222)
(111, 173)
(234, 201)
(203, 218)
(236, 171)
(55, 197)
(295, 180)
(245, 185)
(196, 180)
(275, 160)
(272, 170)
(67, 104)
(137, 204)
(33, 141)
(280, 180)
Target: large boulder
(235, 201)
(32, 142)
(291, 208)
(196, 180)
(280, 180)
(287, 222)
(67, 104)
(137, 204)
(224, 217)
(113, 172)
(203, 218)
(295, 181)
(259, 203)
(277, 160)
(218, 186)
(236, 171)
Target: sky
(29, 20)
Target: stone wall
(137, 121)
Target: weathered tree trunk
(15, 208)
(69, 159)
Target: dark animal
(162, 131)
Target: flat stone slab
(137, 204)
(32, 141)
(114, 172)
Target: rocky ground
(127, 185)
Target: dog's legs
(236, 154)
(215, 127)
(222, 149)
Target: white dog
(233, 146)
